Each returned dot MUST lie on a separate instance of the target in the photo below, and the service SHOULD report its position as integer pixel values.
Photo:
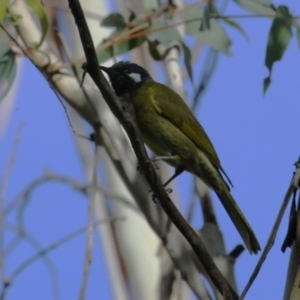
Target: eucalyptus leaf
(38, 9)
(205, 24)
(8, 69)
(237, 26)
(132, 16)
(261, 7)
(193, 16)
(266, 83)
(206, 74)
(188, 60)
(264, 2)
(216, 37)
(284, 13)
(150, 5)
(278, 40)
(105, 54)
(163, 32)
(114, 20)
(153, 51)
(137, 21)
(119, 48)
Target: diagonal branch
(291, 189)
(124, 112)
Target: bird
(173, 133)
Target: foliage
(8, 69)
(205, 24)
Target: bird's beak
(105, 69)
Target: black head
(126, 77)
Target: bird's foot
(155, 200)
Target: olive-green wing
(170, 105)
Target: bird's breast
(159, 133)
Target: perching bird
(171, 131)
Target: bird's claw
(155, 200)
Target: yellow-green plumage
(170, 129)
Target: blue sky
(256, 138)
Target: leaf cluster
(161, 27)
(198, 22)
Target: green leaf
(237, 26)
(3, 7)
(151, 5)
(114, 20)
(267, 82)
(132, 16)
(279, 38)
(119, 48)
(153, 51)
(205, 24)
(38, 9)
(195, 14)
(163, 35)
(8, 69)
(216, 36)
(187, 60)
(261, 7)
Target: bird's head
(126, 77)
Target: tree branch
(294, 185)
(124, 113)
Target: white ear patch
(136, 77)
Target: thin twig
(271, 238)
(139, 30)
(74, 69)
(48, 177)
(90, 240)
(12, 38)
(3, 189)
(83, 188)
(46, 250)
(57, 244)
(23, 235)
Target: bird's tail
(239, 220)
